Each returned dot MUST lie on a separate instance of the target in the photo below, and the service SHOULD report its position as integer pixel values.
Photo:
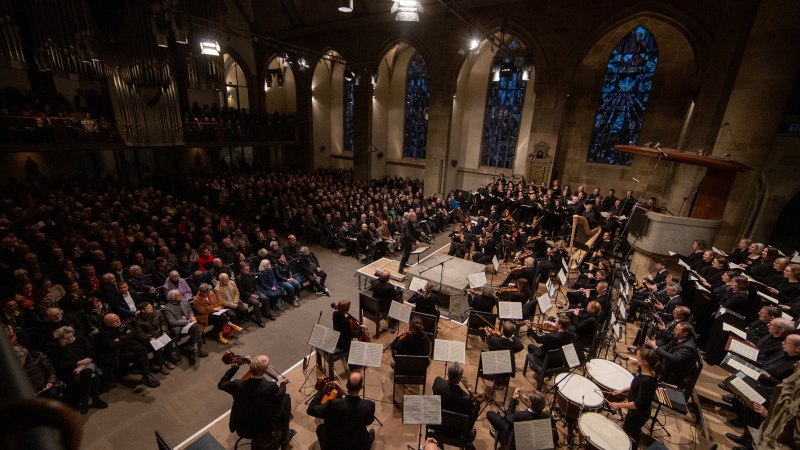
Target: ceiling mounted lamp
(406, 10)
(160, 31)
(474, 43)
(302, 65)
(346, 6)
(349, 75)
(209, 47)
(180, 27)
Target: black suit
(680, 359)
(513, 346)
(346, 421)
(411, 234)
(455, 399)
(505, 424)
(414, 344)
(260, 406)
(118, 306)
(550, 341)
(384, 292)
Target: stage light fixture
(180, 27)
(346, 6)
(209, 47)
(474, 44)
(406, 10)
(160, 30)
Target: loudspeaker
(637, 224)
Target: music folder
(562, 277)
(745, 387)
(495, 263)
(734, 364)
(476, 280)
(544, 303)
(742, 348)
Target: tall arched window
(235, 84)
(348, 107)
(504, 102)
(415, 135)
(623, 98)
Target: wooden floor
(683, 432)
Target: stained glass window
(503, 110)
(626, 88)
(349, 104)
(415, 136)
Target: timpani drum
(609, 376)
(601, 433)
(577, 394)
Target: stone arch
(327, 100)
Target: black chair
(455, 430)
(371, 309)
(429, 322)
(477, 320)
(409, 369)
(330, 359)
(205, 442)
(552, 364)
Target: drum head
(579, 390)
(609, 375)
(603, 432)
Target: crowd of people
(211, 123)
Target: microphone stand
(441, 273)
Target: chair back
(369, 307)
(162, 443)
(479, 319)
(411, 365)
(455, 427)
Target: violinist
(506, 341)
(412, 341)
(260, 406)
(457, 242)
(486, 301)
(551, 341)
(425, 301)
(485, 248)
(527, 271)
(345, 419)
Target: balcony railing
(206, 132)
(56, 130)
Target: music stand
(498, 362)
(365, 354)
(449, 351)
(323, 339)
(422, 410)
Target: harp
(581, 240)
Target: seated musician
(586, 324)
(679, 355)
(345, 419)
(260, 406)
(343, 323)
(640, 394)
(580, 297)
(425, 301)
(457, 242)
(527, 271)
(772, 374)
(503, 425)
(695, 258)
(673, 294)
(521, 293)
(413, 342)
(485, 249)
(589, 279)
(760, 327)
(384, 292)
(454, 398)
(552, 341)
(486, 301)
(738, 300)
(506, 341)
(664, 331)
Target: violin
(329, 389)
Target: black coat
(256, 404)
(414, 344)
(384, 293)
(680, 359)
(513, 346)
(512, 415)
(346, 421)
(425, 304)
(454, 398)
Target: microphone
(634, 179)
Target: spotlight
(180, 27)
(406, 10)
(349, 75)
(209, 47)
(160, 30)
(346, 6)
(474, 44)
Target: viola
(232, 359)
(329, 389)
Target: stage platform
(394, 435)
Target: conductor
(261, 407)
(411, 235)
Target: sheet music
(220, 312)
(750, 393)
(683, 264)
(449, 351)
(551, 290)
(570, 355)
(562, 277)
(796, 257)
(495, 263)
(417, 284)
(716, 250)
(419, 250)
(622, 311)
(744, 350)
(476, 280)
(734, 330)
(741, 366)
(564, 264)
(788, 317)
(365, 354)
(701, 287)
(160, 342)
(625, 290)
(617, 330)
(533, 434)
(323, 338)
(496, 362)
(671, 253)
(185, 329)
(544, 303)
(605, 214)
(422, 410)
(400, 311)
(509, 310)
(767, 297)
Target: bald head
(354, 383)
(112, 320)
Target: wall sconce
(453, 162)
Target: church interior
(529, 143)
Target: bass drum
(576, 394)
(598, 432)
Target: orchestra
(528, 227)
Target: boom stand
(441, 273)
